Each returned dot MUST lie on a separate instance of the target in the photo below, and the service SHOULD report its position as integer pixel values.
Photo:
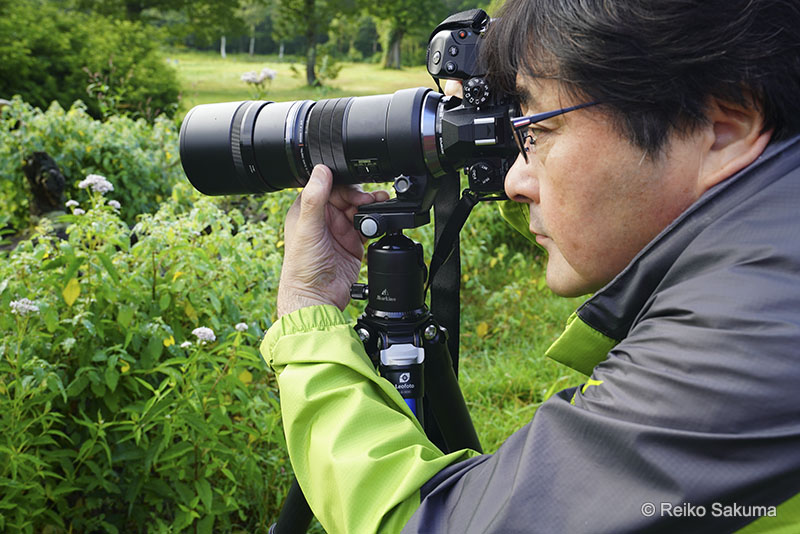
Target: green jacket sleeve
(358, 452)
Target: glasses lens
(519, 137)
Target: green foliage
(48, 53)
(114, 415)
(509, 319)
(142, 158)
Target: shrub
(142, 158)
(48, 53)
(115, 415)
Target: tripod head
(410, 209)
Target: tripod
(400, 334)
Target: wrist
(289, 302)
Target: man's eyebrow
(525, 97)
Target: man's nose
(521, 184)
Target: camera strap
(445, 288)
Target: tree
(253, 12)
(206, 20)
(308, 18)
(399, 17)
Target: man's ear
(736, 138)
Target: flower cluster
(204, 334)
(99, 184)
(257, 78)
(241, 327)
(23, 307)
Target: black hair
(656, 63)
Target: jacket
(689, 421)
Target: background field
(206, 77)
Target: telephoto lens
(257, 147)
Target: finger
(315, 195)
(343, 197)
(454, 88)
(381, 196)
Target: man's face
(595, 199)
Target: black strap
(447, 240)
(444, 278)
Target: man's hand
(323, 250)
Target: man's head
(691, 92)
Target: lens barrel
(257, 146)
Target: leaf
(246, 377)
(176, 451)
(109, 266)
(190, 312)
(69, 274)
(482, 329)
(206, 525)
(163, 302)
(71, 291)
(50, 317)
(215, 302)
(124, 316)
(204, 491)
(112, 377)
(52, 264)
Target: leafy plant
(132, 395)
(142, 157)
(52, 54)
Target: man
(670, 190)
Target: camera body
(257, 146)
(454, 53)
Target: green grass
(509, 317)
(206, 78)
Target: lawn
(206, 77)
(509, 317)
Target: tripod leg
(295, 513)
(445, 400)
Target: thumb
(315, 195)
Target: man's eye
(535, 133)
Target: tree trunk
(311, 44)
(252, 39)
(280, 52)
(311, 60)
(392, 60)
(222, 47)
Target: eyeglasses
(519, 126)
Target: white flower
(72, 203)
(114, 204)
(267, 74)
(99, 184)
(23, 307)
(241, 327)
(186, 344)
(250, 77)
(204, 334)
(78, 211)
(257, 78)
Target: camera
(258, 146)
